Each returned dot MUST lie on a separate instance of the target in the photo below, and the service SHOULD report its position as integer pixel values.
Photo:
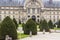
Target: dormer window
(10, 0)
(50, 1)
(33, 0)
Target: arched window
(34, 17)
(38, 20)
(28, 15)
(38, 16)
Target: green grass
(22, 35)
(20, 25)
(56, 28)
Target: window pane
(38, 10)
(28, 10)
(33, 10)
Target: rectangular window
(33, 10)
(54, 18)
(57, 17)
(28, 10)
(38, 10)
(56, 13)
(50, 17)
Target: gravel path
(46, 36)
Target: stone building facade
(35, 9)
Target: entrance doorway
(33, 18)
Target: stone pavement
(46, 36)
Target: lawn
(57, 28)
(22, 35)
(20, 25)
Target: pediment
(31, 4)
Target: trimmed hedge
(59, 24)
(44, 25)
(23, 25)
(50, 24)
(8, 28)
(30, 26)
(14, 20)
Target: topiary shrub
(40, 23)
(23, 25)
(44, 25)
(0, 32)
(14, 20)
(8, 28)
(59, 24)
(50, 24)
(30, 26)
(54, 25)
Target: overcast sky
(56, 0)
(53, 0)
(44, 0)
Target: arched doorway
(33, 18)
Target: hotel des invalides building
(35, 9)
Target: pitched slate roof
(53, 4)
(10, 3)
(21, 3)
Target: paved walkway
(46, 36)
